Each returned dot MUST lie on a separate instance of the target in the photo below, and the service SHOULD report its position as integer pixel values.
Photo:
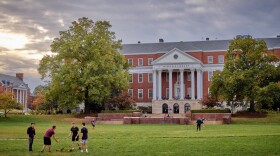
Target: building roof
(210, 45)
(13, 81)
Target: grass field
(259, 136)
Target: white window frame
(139, 61)
(150, 60)
(150, 77)
(130, 59)
(131, 95)
(167, 92)
(178, 76)
(210, 75)
(221, 59)
(130, 78)
(210, 59)
(139, 77)
(150, 93)
(140, 91)
(189, 76)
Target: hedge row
(211, 111)
(119, 111)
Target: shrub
(209, 102)
(211, 111)
(144, 109)
(119, 111)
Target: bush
(119, 111)
(144, 109)
(209, 102)
(211, 111)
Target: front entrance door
(164, 108)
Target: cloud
(147, 20)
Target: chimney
(20, 76)
(160, 40)
(207, 38)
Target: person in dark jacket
(198, 124)
(31, 135)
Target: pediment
(176, 56)
(22, 86)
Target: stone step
(114, 122)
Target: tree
(38, 100)
(7, 103)
(40, 90)
(269, 97)
(122, 101)
(85, 65)
(209, 102)
(249, 68)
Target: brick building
(16, 86)
(172, 77)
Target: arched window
(164, 108)
(187, 107)
(176, 108)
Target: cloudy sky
(27, 27)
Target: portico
(180, 90)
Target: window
(221, 58)
(130, 92)
(140, 93)
(189, 76)
(210, 59)
(150, 93)
(178, 76)
(150, 60)
(167, 92)
(140, 62)
(167, 76)
(140, 77)
(131, 78)
(130, 62)
(210, 74)
(150, 77)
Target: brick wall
(145, 85)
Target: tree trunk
(87, 103)
(252, 105)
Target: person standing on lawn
(47, 138)
(84, 131)
(93, 123)
(198, 124)
(31, 135)
(75, 136)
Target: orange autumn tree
(122, 101)
(39, 99)
(7, 103)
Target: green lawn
(244, 137)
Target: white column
(12, 93)
(26, 99)
(170, 84)
(20, 96)
(154, 84)
(182, 84)
(17, 96)
(192, 85)
(159, 85)
(198, 84)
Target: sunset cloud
(27, 27)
